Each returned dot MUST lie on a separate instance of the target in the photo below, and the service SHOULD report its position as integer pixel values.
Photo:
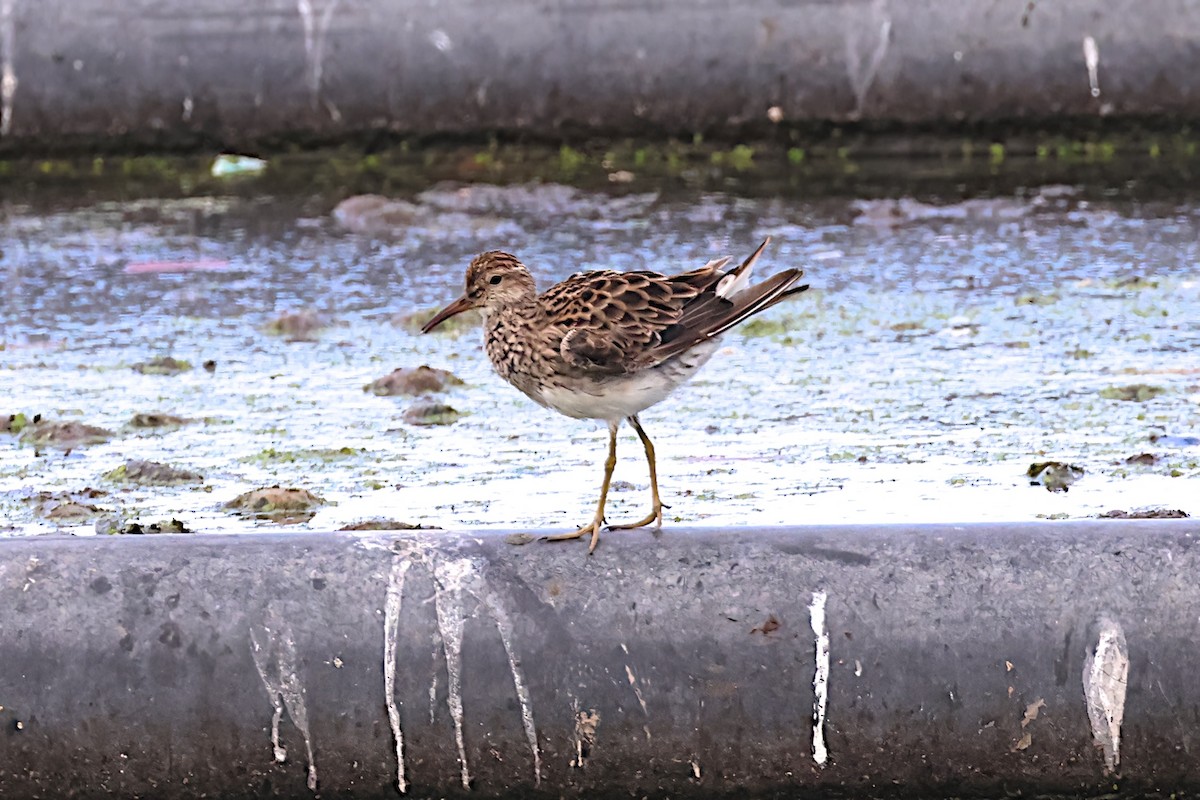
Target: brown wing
(614, 322)
(606, 321)
(716, 310)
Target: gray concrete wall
(158, 70)
(906, 661)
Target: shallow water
(944, 347)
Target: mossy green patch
(162, 365)
(1134, 393)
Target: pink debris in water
(148, 267)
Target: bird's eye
(495, 279)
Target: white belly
(615, 398)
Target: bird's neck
(518, 311)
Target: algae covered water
(163, 356)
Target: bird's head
(495, 280)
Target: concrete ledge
(183, 71)
(899, 661)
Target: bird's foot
(592, 528)
(655, 516)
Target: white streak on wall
(1091, 57)
(315, 33)
(637, 690)
(449, 578)
(816, 612)
(391, 632)
(273, 648)
(8, 75)
(862, 68)
(454, 581)
(1105, 680)
(504, 626)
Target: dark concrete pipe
(906, 661)
(219, 69)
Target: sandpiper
(607, 345)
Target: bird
(606, 344)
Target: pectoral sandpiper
(607, 345)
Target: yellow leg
(597, 522)
(655, 514)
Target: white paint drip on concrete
(637, 690)
(1091, 57)
(862, 68)
(453, 580)
(273, 648)
(1105, 681)
(315, 33)
(816, 613)
(449, 579)
(391, 632)
(8, 59)
(504, 626)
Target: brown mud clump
(63, 435)
(162, 526)
(1054, 475)
(157, 419)
(387, 525)
(284, 506)
(406, 381)
(68, 507)
(1145, 513)
(374, 213)
(297, 326)
(71, 511)
(427, 413)
(162, 365)
(152, 473)
(1134, 393)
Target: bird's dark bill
(457, 307)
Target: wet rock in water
(162, 526)
(375, 214)
(297, 326)
(14, 423)
(67, 506)
(532, 198)
(63, 435)
(432, 414)
(1164, 440)
(621, 486)
(162, 365)
(1134, 393)
(72, 511)
(544, 200)
(210, 365)
(1054, 475)
(457, 324)
(405, 381)
(157, 419)
(152, 473)
(278, 504)
(1145, 513)
(904, 210)
(387, 525)
(1142, 459)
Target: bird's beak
(457, 307)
